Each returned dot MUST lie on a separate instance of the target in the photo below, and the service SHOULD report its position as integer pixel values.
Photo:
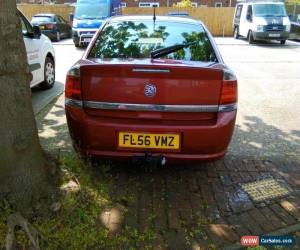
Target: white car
(40, 55)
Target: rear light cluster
(49, 26)
(73, 84)
(229, 93)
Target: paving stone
(220, 166)
(196, 203)
(217, 186)
(159, 204)
(175, 240)
(223, 203)
(206, 193)
(240, 201)
(261, 220)
(282, 214)
(246, 176)
(145, 210)
(250, 224)
(173, 218)
(272, 217)
(159, 243)
(291, 208)
(222, 231)
(236, 178)
(235, 221)
(225, 178)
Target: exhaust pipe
(149, 159)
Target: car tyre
(236, 33)
(49, 74)
(282, 42)
(250, 37)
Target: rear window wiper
(168, 50)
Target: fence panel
(217, 20)
(30, 10)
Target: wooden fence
(217, 20)
(30, 10)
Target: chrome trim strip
(151, 107)
(74, 103)
(151, 70)
(228, 107)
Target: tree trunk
(23, 172)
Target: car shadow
(273, 43)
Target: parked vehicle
(89, 16)
(295, 28)
(155, 89)
(40, 54)
(261, 20)
(53, 26)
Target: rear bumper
(271, 35)
(98, 136)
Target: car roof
(251, 3)
(178, 19)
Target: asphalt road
(268, 122)
(66, 55)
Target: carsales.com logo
(250, 241)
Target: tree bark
(23, 172)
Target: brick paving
(192, 208)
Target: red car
(152, 88)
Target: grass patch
(77, 223)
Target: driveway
(254, 190)
(269, 90)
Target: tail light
(49, 26)
(229, 93)
(73, 86)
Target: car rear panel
(177, 84)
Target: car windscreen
(265, 10)
(137, 39)
(42, 19)
(92, 10)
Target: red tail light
(73, 84)
(49, 26)
(229, 94)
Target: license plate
(274, 35)
(149, 140)
(87, 40)
(42, 27)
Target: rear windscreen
(136, 39)
(42, 19)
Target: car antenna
(154, 17)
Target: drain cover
(265, 189)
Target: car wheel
(250, 37)
(77, 45)
(49, 74)
(236, 33)
(57, 36)
(282, 42)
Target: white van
(261, 20)
(40, 55)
